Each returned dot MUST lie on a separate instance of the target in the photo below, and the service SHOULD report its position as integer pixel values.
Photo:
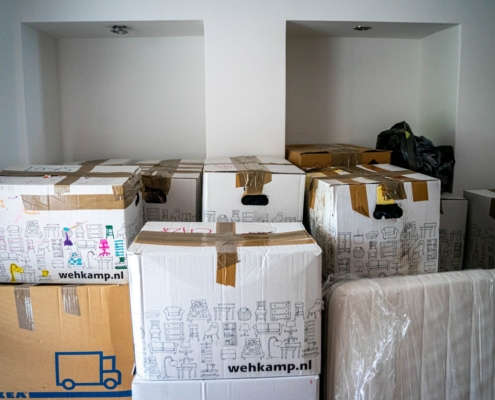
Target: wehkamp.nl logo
(269, 367)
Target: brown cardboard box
(333, 155)
(60, 341)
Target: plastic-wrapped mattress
(412, 337)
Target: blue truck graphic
(88, 368)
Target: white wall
(439, 86)
(41, 95)
(245, 42)
(348, 90)
(9, 130)
(137, 98)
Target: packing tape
(121, 198)
(253, 177)
(159, 176)
(226, 242)
(24, 307)
(70, 300)
(245, 160)
(226, 255)
(391, 182)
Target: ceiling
(389, 30)
(88, 30)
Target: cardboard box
(332, 155)
(241, 300)
(247, 159)
(344, 204)
(115, 162)
(68, 224)
(294, 388)
(480, 241)
(411, 337)
(65, 341)
(453, 215)
(252, 192)
(172, 190)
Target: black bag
(418, 154)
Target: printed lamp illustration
(90, 368)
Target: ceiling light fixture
(119, 29)
(361, 28)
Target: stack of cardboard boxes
(68, 226)
(216, 303)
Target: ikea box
(107, 162)
(375, 220)
(172, 190)
(480, 242)
(225, 300)
(331, 155)
(252, 192)
(453, 214)
(293, 388)
(68, 224)
(65, 341)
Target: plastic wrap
(415, 337)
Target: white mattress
(412, 337)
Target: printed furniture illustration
(228, 354)
(161, 347)
(344, 245)
(224, 310)
(280, 310)
(173, 313)
(390, 232)
(262, 328)
(388, 249)
(174, 331)
(429, 228)
(377, 264)
(261, 312)
(198, 311)
(252, 348)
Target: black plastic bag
(418, 154)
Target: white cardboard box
(107, 162)
(225, 300)
(229, 188)
(68, 224)
(293, 388)
(248, 159)
(343, 207)
(172, 190)
(452, 232)
(480, 240)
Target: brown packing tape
(226, 242)
(122, 196)
(160, 175)
(245, 160)
(70, 300)
(94, 163)
(75, 202)
(252, 177)
(24, 307)
(359, 199)
(226, 255)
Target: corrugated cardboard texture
(226, 242)
(27, 357)
(328, 155)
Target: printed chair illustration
(173, 313)
(213, 331)
(315, 309)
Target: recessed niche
(92, 94)
(347, 86)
